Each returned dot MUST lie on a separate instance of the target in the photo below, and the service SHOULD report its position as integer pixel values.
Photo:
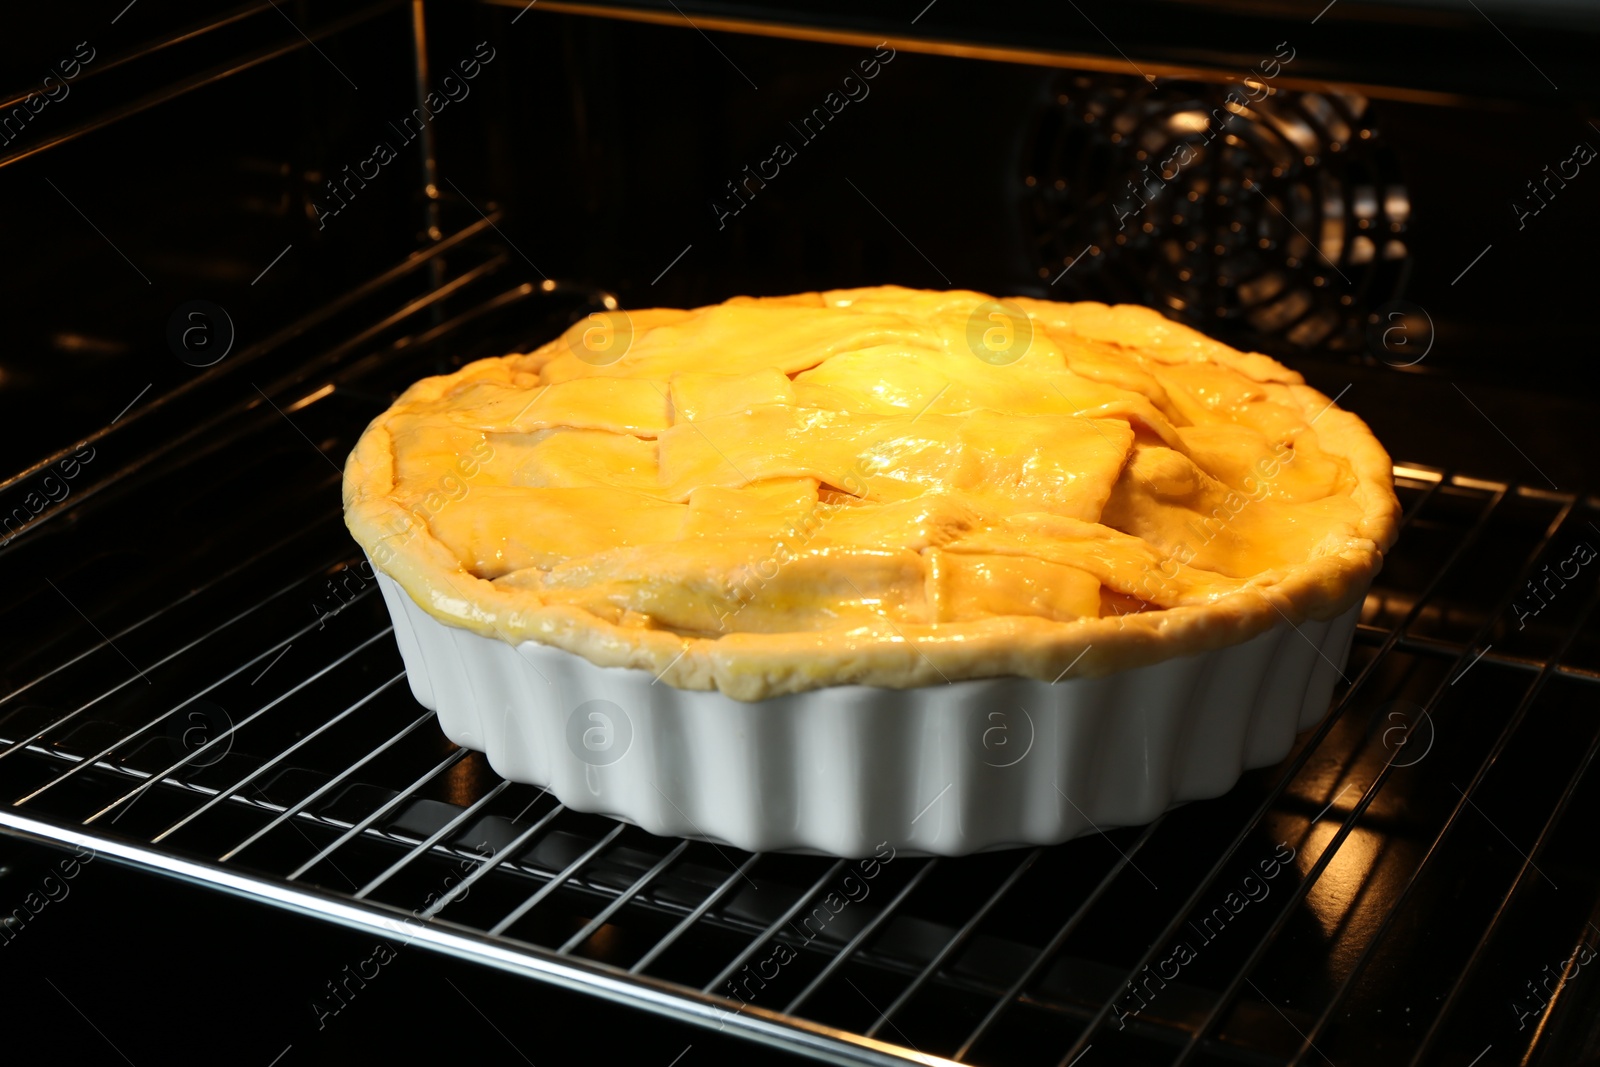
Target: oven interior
(199, 682)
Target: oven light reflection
(1418, 474)
(603, 943)
(1335, 894)
(462, 785)
(309, 399)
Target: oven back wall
(161, 176)
(614, 146)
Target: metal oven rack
(203, 684)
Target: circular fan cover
(1277, 221)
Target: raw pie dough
(777, 494)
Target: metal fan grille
(1279, 220)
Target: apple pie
(882, 487)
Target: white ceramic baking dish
(946, 770)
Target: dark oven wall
(157, 154)
(681, 168)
